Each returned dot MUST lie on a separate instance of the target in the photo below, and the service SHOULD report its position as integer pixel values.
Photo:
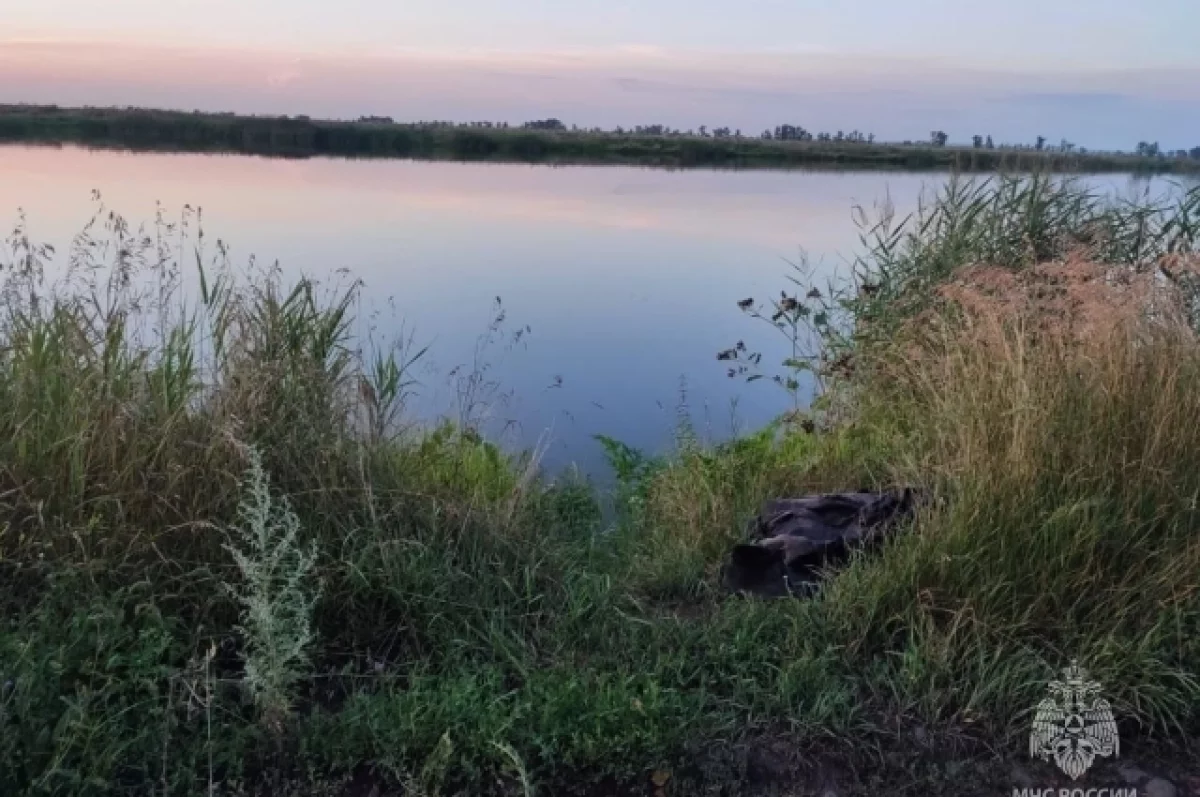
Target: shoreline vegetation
(223, 572)
(550, 141)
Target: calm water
(626, 277)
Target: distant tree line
(1150, 149)
(550, 139)
(544, 124)
(798, 133)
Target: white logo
(1074, 724)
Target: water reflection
(627, 278)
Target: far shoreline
(298, 137)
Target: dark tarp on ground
(795, 538)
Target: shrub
(276, 592)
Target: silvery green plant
(278, 591)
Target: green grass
(478, 629)
(160, 130)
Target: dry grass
(1076, 298)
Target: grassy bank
(220, 572)
(152, 130)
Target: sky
(1100, 73)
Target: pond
(627, 279)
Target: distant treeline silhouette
(548, 140)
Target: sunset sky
(1101, 73)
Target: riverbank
(299, 137)
(222, 572)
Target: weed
(276, 593)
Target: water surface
(628, 278)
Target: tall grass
(1061, 468)
(478, 629)
(1068, 528)
(1008, 222)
